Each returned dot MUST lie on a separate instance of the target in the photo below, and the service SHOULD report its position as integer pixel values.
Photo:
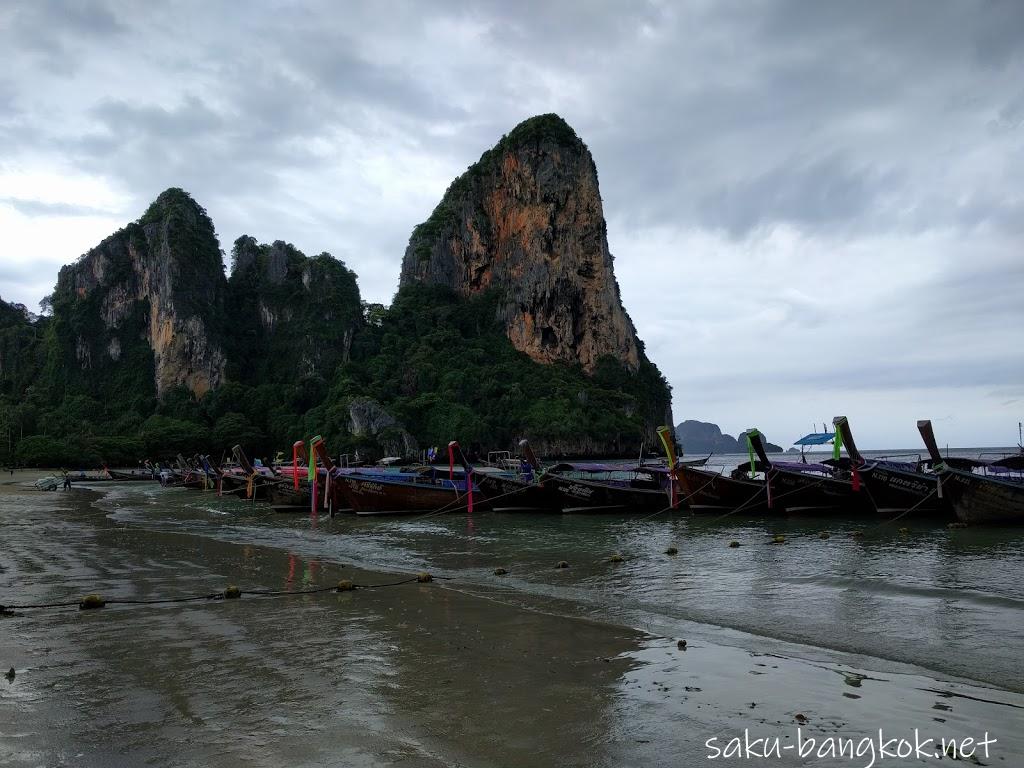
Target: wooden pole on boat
(665, 433)
(297, 447)
(453, 448)
(924, 426)
(843, 433)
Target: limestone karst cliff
(147, 303)
(527, 220)
(289, 315)
(508, 324)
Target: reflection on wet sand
(578, 666)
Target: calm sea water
(947, 600)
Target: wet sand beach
(542, 666)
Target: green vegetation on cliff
(444, 366)
(291, 317)
(151, 351)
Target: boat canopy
(586, 467)
(816, 438)
(799, 466)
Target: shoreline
(501, 653)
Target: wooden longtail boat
(975, 498)
(429, 492)
(813, 488)
(713, 492)
(594, 488)
(293, 494)
(893, 487)
(132, 475)
(522, 491)
(254, 481)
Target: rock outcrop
(527, 221)
(19, 338)
(698, 437)
(290, 316)
(367, 418)
(149, 296)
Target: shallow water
(574, 666)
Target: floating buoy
(734, 544)
(345, 586)
(424, 578)
(681, 645)
(904, 531)
(90, 602)
(10, 675)
(824, 535)
(957, 525)
(671, 551)
(500, 572)
(778, 539)
(561, 564)
(800, 718)
(857, 534)
(616, 558)
(232, 593)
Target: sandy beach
(465, 670)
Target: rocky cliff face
(149, 297)
(367, 418)
(19, 337)
(290, 316)
(527, 221)
(698, 437)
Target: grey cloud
(52, 29)
(40, 208)
(191, 119)
(871, 125)
(822, 192)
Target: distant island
(705, 437)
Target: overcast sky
(815, 208)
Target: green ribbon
(312, 458)
(837, 444)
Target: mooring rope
(232, 592)
(903, 514)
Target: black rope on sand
(422, 578)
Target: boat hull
(374, 496)
(284, 498)
(978, 499)
(895, 491)
(711, 492)
(801, 493)
(509, 494)
(589, 496)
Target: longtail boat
(975, 498)
(811, 487)
(593, 487)
(893, 487)
(252, 482)
(519, 491)
(424, 493)
(130, 475)
(293, 494)
(715, 492)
